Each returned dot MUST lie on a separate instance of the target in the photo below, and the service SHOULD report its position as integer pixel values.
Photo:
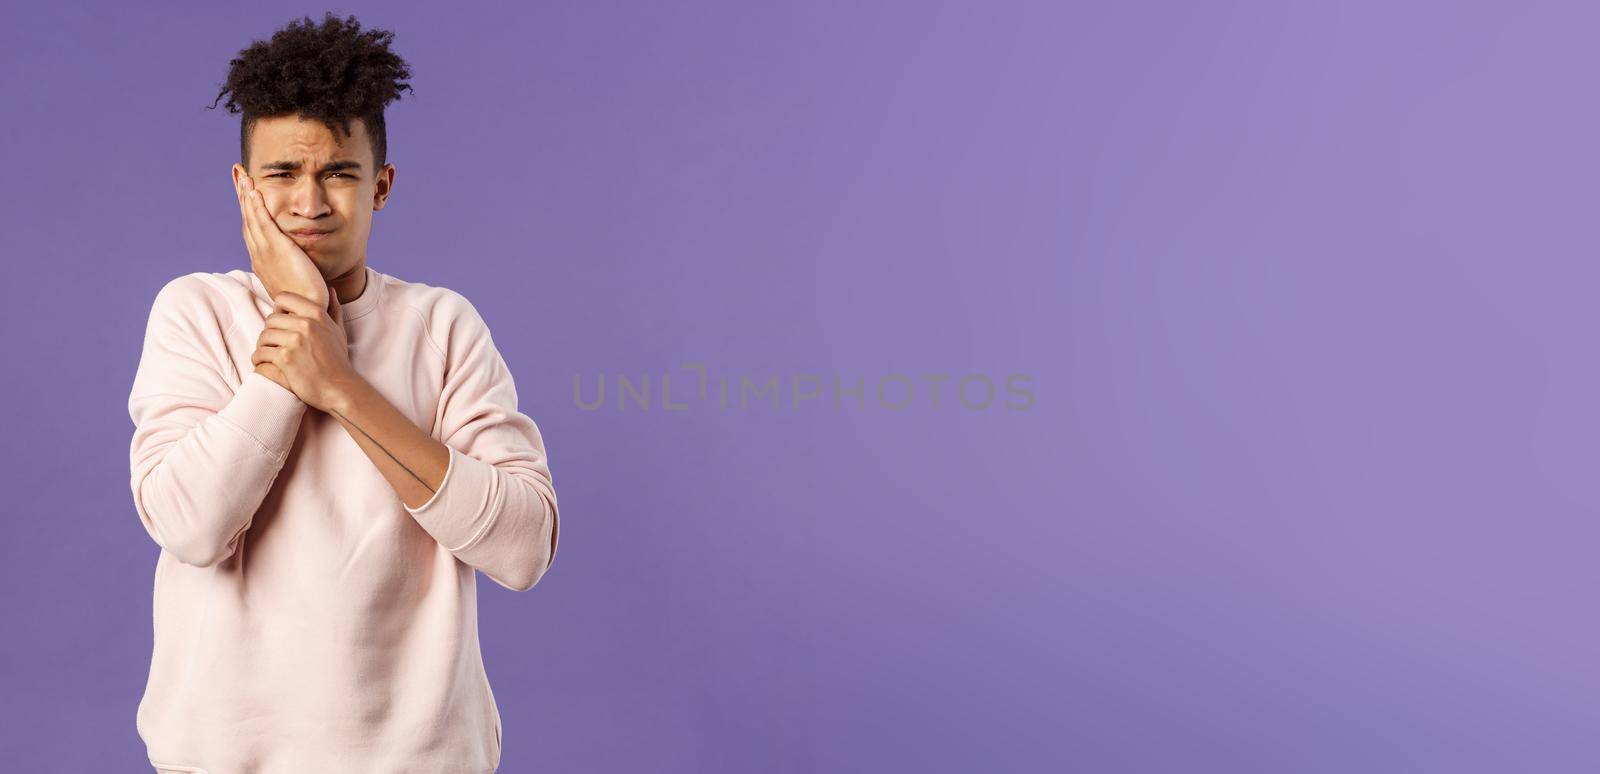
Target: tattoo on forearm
(385, 451)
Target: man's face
(313, 181)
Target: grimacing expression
(312, 179)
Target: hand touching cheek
(274, 257)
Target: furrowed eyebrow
(294, 166)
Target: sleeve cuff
(455, 514)
(267, 412)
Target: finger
(277, 337)
(253, 234)
(252, 208)
(285, 321)
(269, 227)
(241, 187)
(296, 304)
(252, 215)
(244, 213)
(264, 354)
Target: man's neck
(349, 286)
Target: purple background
(1306, 294)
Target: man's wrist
(344, 397)
(274, 373)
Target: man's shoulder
(448, 318)
(203, 295)
(440, 307)
(423, 296)
(206, 283)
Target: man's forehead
(309, 137)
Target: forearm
(500, 520)
(411, 461)
(198, 491)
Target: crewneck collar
(365, 303)
(368, 300)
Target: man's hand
(274, 257)
(308, 347)
(271, 372)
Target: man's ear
(383, 186)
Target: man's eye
(280, 174)
(340, 174)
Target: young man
(325, 455)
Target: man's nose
(307, 199)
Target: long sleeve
(496, 507)
(204, 452)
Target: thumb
(335, 311)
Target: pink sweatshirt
(305, 619)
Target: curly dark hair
(333, 72)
